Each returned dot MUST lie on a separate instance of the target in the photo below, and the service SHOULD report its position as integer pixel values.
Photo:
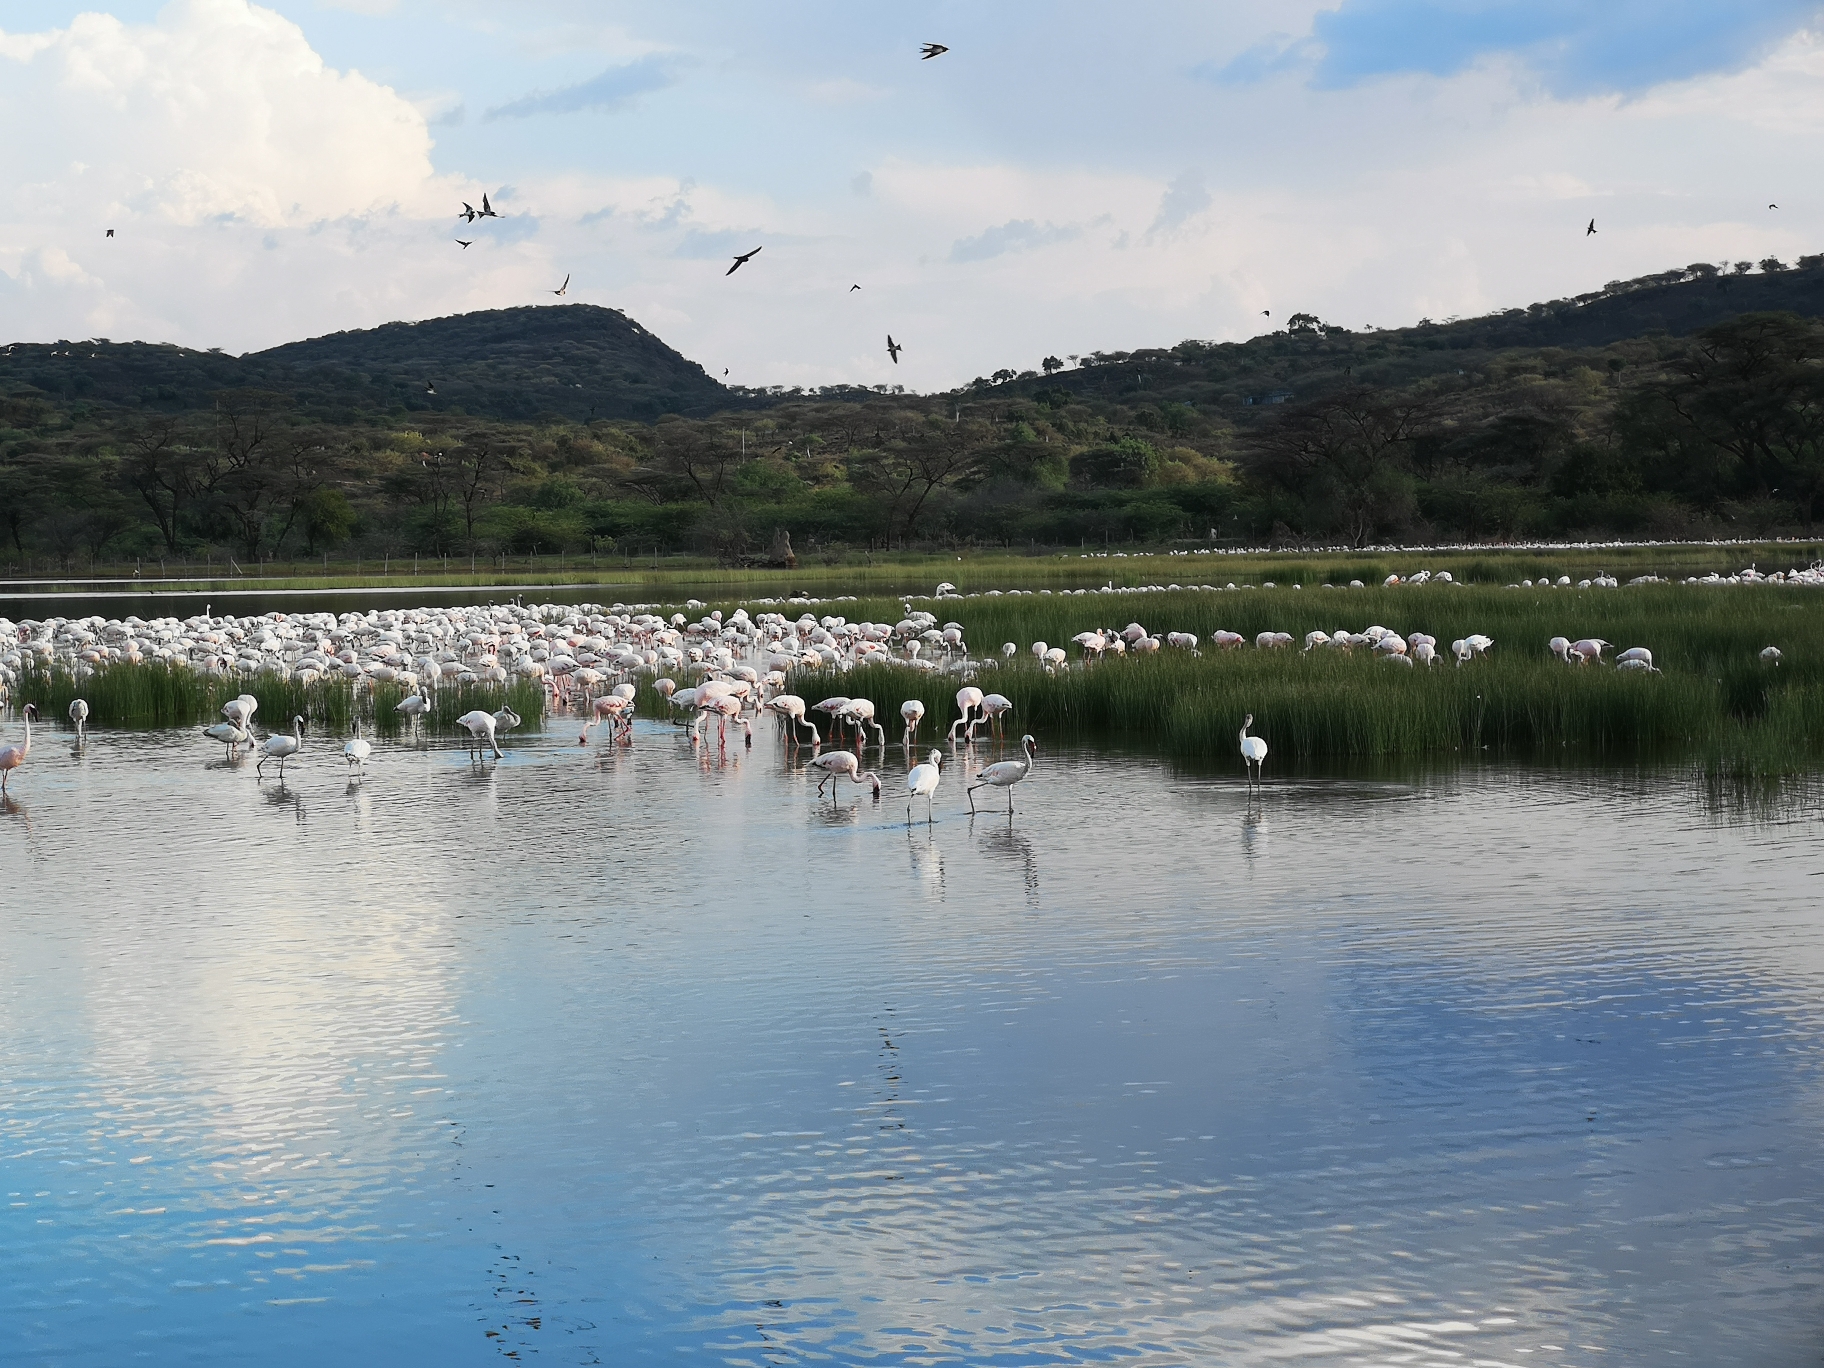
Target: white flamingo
(922, 781)
(483, 725)
(281, 747)
(240, 710)
(860, 715)
(79, 714)
(1253, 751)
(357, 751)
(414, 707)
(231, 737)
(11, 757)
(914, 712)
(1005, 774)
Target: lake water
(651, 1057)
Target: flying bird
(725, 370)
(853, 288)
(487, 210)
(1266, 313)
(1591, 229)
(564, 288)
(930, 50)
(468, 212)
(742, 260)
(1771, 206)
(465, 245)
(429, 388)
(893, 349)
(111, 231)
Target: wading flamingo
(1253, 751)
(11, 757)
(231, 737)
(481, 727)
(841, 763)
(1005, 774)
(79, 714)
(968, 698)
(281, 747)
(791, 708)
(240, 710)
(357, 751)
(922, 781)
(914, 713)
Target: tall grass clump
(1714, 701)
(157, 695)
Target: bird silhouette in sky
(893, 349)
(111, 231)
(1771, 206)
(1587, 232)
(930, 50)
(429, 388)
(853, 288)
(1266, 313)
(742, 260)
(465, 245)
(468, 212)
(563, 289)
(487, 210)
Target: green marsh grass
(147, 696)
(1714, 702)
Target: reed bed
(1715, 702)
(159, 695)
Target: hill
(573, 362)
(1310, 356)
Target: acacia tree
(1348, 457)
(1752, 391)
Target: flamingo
(922, 781)
(1005, 774)
(357, 751)
(1770, 655)
(725, 707)
(79, 714)
(791, 707)
(840, 763)
(1634, 653)
(240, 710)
(860, 715)
(609, 708)
(914, 712)
(281, 747)
(11, 757)
(481, 727)
(231, 737)
(968, 698)
(1590, 648)
(1253, 751)
(994, 706)
(414, 707)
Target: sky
(1067, 178)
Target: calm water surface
(596, 1057)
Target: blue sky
(1067, 178)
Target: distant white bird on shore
(1253, 752)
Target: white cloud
(261, 195)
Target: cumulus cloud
(613, 89)
(1184, 198)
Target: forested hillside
(1684, 404)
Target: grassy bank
(673, 578)
(156, 695)
(1715, 701)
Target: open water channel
(644, 1056)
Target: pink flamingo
(11, 757)
(612, 709)
(791, 707)
(968, 698)
(840, 763)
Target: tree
(1348, 457)
(1051, 366)
(160, 463)
(1752, 391)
